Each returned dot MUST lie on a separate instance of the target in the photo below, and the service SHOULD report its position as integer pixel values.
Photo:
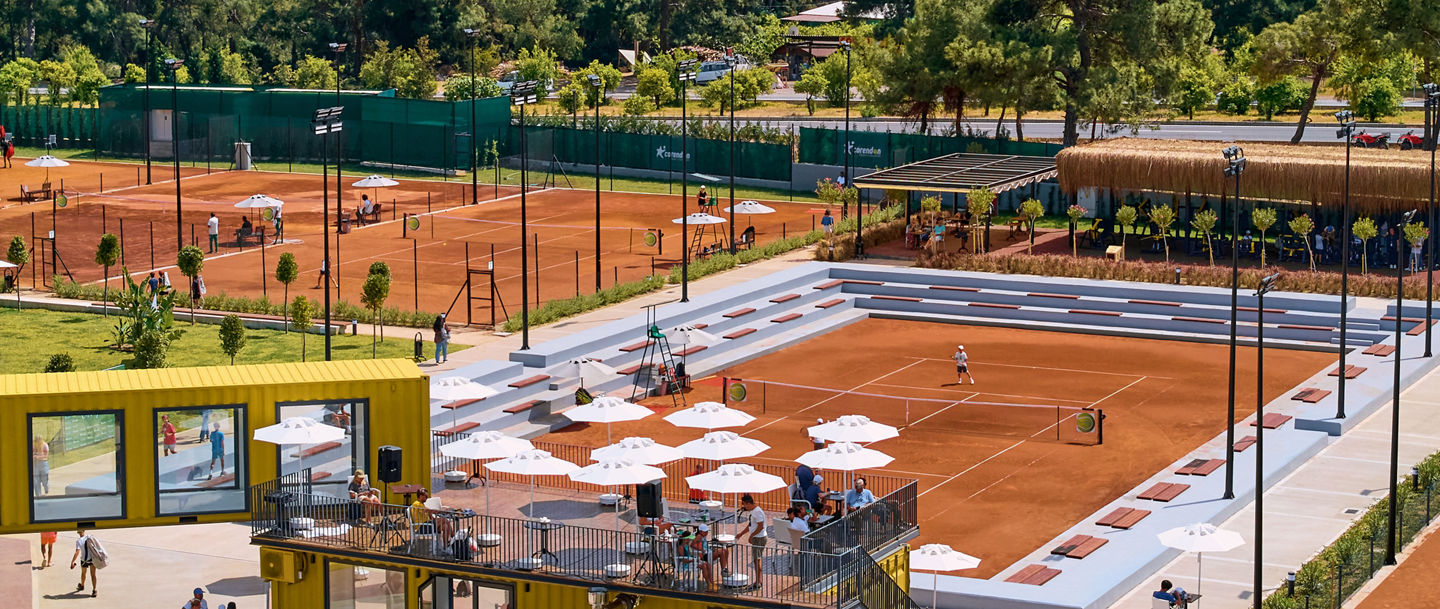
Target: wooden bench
(519, 408)
(1418, 330)
(1305, 327)
(317, 449)
(1033, 575)
(1411, 320)
(1351, 371)
(1090, 312)
(1079, 546)
(1164, 492)
(637, 346)
(1273, 420)
(1158, 303)
(902, 298)
(739, 312)
(373, 216)
(631, 369)
(461, 403)
(1379, 350)
(864, 282)
(830, 303)
(954, 288)
(1122, 518)
(1049, 295)
(458, 429)
(739, 333)
(1200, 467)
(317, 476)
(784, 318)
(993, 305)
(1244, 443)
(43, 194)
(830, 284)
(1202, 320)
(1310, 395)
(1255, 310)
(691, 350)
(257, 234)
(785, 298)
(539, 378)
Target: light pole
(326, 121)
(685, 72)
(1266, 285)
(599, 85)
(148, 24)
(523, 94)
(1234, 166)
(849, 178)
(730, 60)
(1391, 535)
(471, 35)
(1345, 132)
(1432, 102)
(336, 49)
(173, 65)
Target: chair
(423, 532)
(1091, 236)
(687, 566)
(1159, 603)
(747, 238)
(28, 195)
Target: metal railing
(674, 486)
(871, 527)
(864, 581)
(590, 555)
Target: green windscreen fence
(657, 152)
(879, 150)
(378, 129)
(32, 125)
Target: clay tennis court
(992, 492)
(1412, 584)
(428, 264)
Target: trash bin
(344, 227)
(242, 156)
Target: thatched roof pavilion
(1380, 180)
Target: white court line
(1117, 391)
(922, 419)
(973, 363)
(1008, 395)
(967, 470)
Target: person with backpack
(442, 339)
(91, 556)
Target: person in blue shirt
(827, 222)
(859, 496)
(1176, 598)
(217, 450)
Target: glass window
(357, 587)
(199, 465)
(445, 592)
(76, 467)
(330, 462)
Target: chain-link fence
(882, 149)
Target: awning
(963, 172)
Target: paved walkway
(1311, 507)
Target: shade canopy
(639, 450)
(845, 456)
(1201, 537)
(299, 430)
(699, 218)
(751, 208)
(46, 161)
(853, 428)
(963, 172)
(8, 265)
(735, 478)
(588, 370)
(617, 472)
(485, 445)
(375, 181)
(709, 415)
(940, 557)
(608, 409)
(452, 388)
(686, 336)
(722, 445)
(533, 462)
(258, 201)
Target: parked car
(714, 70)
(508, 80)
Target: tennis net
(960, 415)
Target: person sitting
(366, 206)
(366, 495)
(798, 521)
(1170, 594)
(859, 496)
(246, 228)
(708, 556)
(422, 510)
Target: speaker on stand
(648, 500)
(387, 468)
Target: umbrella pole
(532, 497)
(1199, 569)
(935, 590)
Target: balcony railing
(872, 527)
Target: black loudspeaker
(388, 469)
(647, 500)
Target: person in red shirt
(7, 150)
(167, 434)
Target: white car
(714, 70)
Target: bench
(29, 196)
(1273, 420)
(458, 429)
(691, 350)
(317, 476)
(1200, 467)
(1158, 303)
(1033, 575)
(461, 403)
(1048, 295)
(1079, 546)
(785, 298)
(993, 305)
(784, 318)
(864, 282)
(1122, 518)
(373, 216)
(739, 312)
(631, 369)
(1163, 492)
(1310, 395)
(830, 303)
(1412, 320)
(1090, 312)
(317, 449)
(1244, 443)
(256, 234)
(530, 381)
(637, 346)
(1203, 320)
(1380, 350)
(954, 288)
(1418, 330)
(519, 408)
(903, 298)
(740, 332)
(1255, 310)
(1304, 327)
(830, 284)
(1351, 371)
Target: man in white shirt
(962, 366)
(85, 550)
(212, 226)
(754, 518)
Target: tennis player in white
(962, 366)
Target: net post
(725, 390)
(536, 239)
(616, 281)
(405, 227)
(577, 273)
(469, 305)
(1099, 426)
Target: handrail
(864, 581)
(871, 527)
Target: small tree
(373, 295)
(1364, 230)
(812, 84)
(191, 261)
(232, 336)
(1302, 225)
(1031, 210)
(60, 362)
(978, 203)
(930, 205)
(379, 268)
(287, 271)
(1163, 216)
(1415, 234)
(18, 256)
(1076, 212)
(150, 351)
(1263, 218)
(1204, 221)
(106, 255)
(302, 315)
(654, 83)
(1125, 216)
(572, 98)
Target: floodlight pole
(1347, 127)
(147, 25)
(1235, 159)
(731, 59)
(174, 66)
(337, 48)
(1432, 101)
(850, 179)
(321, 116)
(474, 131)
(684, 72)
(521, 94)
(1266, 285)
(1391, 535)
(599, 84)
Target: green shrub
(60, 362)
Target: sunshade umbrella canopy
(257, 201)
(853, 428)
(485, 445)
(700, 218)
(7, 265)
(845, 456)
(47, 162)
(751, 208)
(616, 472)
(1200, 538)
(709, 415)
(534, 462)
(939, 557)
(588, 370)
(451, 388)
(299, 430)
(638, 450)
(690, 335)
(375, 181)
(735, 478)
(722, 445)
(607, 410)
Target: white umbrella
(709, 415)
(588, 370)
(607, 410)
(299, 430)
(254, 201)
(375, 181)
(700, 218)
(638, 450)
(845, 456)
(722, 445)
(735, 478)
(939, 557)
(1201, 538)
(534, 462)
(853, 428)
(617, 472)
(7, 265)
(455, 388)
(690, 335)
(48, 161)
(483, 445)
(752, 208)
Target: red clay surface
(561, 220)
(1412, 584)
(997, 497)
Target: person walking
(442, 339)
(827, 222)
(47, 547)
(204, 424)
(212, 227)
(217, 450)
(753, 533)
(167, 435)
(91, 556)
(153, 282)
(40, 465)
(962, 366)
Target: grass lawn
(86, 337)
